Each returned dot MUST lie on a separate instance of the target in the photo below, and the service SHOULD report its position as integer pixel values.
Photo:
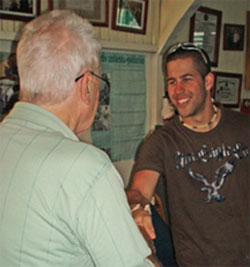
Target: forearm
(142, 187)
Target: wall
(172, 14)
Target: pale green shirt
(62, 202)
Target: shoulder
(88, 165)
(167, 129)
(79, 158)
(235, 124)
(85, 152)
(235, 117)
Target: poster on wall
(102, 117)
(119, 125)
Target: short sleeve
(150, 154)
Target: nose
(179, 87)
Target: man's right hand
(144, 221)
(141, 191)
(149, 240)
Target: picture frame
(227, 88)
(233, 37)
(247, 72)
(20, 10)
(130, 16)
(96, 11)
(205, 28)
(9, 82)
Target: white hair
(52, 51)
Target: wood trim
(247, 74)
(129, 46)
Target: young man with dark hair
(204, 156)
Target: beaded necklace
(204, 125)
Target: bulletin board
(119, 125)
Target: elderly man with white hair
(62, 202)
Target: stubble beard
(195, 108)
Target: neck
(64, 111)
(203, 127)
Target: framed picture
(9, 83)
(233, 37)
(247, 74)
(19, 9)
(130, 15)
(227, 88)
(96, 11)
(205, 27)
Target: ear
(85, 88)
(209, 81)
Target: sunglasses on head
(188, 47)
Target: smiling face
(186, 87)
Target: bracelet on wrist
(138, 205)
